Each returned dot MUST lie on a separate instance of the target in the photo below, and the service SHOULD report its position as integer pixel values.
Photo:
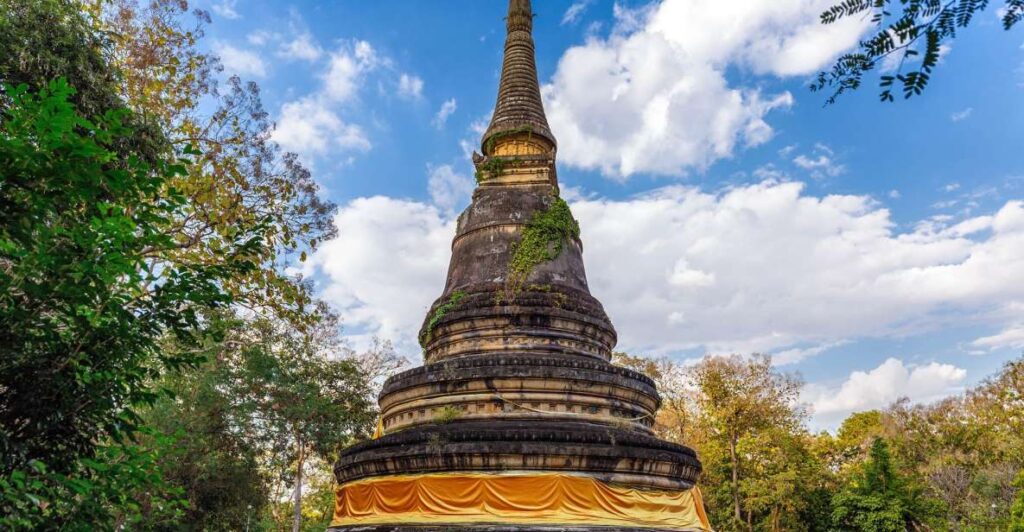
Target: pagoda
(517, 420)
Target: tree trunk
(734, 461)
(297, 522)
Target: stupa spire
(519, 108)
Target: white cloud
(653, 96)
(1011, 337)
(952, 187)
(302, 46)
(448, 188)
(410, 87)
(822, 162)
(960, 116)
(446, 110)
(881, 386)
(310, 127)
(240, 61)
(895, 194)
(348, 64)
(261, 37)
(386, 266)
(575, 11)
(226, 9)
(799, 354)
(768, 268)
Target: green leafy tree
(299, 396)
(81, 310)
(739, 403)
(879, 499)
(42, 40)
(1017, 510)
(241, 184)
(212, 459)
(911, 32)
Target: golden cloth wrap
(537, 499)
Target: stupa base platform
(502, 528)
(518, 475)
(610, 454)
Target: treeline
(158, 369)
(955, 465)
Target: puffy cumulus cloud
(346, 69)
(312, 128)
(763, 267)
(654, 97)
(820, 162)
(892, 380)
(448, 188)
(312, 125)
(386, 266)
(239, 60)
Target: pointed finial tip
(520, 15)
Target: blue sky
(878, 249)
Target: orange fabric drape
(516, 499)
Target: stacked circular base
(514, 472)
(530, 441)
(609, 454)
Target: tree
(878, 499)
(1017, 510)
(298, 400)
(911, 33)
(81, 311)
(212, 458)
(42, 40)
(752, 425)
(241, 184)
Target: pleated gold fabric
(542, 499)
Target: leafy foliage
(439, 313)
(240, 185)
(878, 499)
(42, 40)
(910, 33)
(294, 398)
(119, 232)
(946, 466)
(81, 309)
(490, 169)
(541, 241)
(1017, 510)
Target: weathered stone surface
(519, 104)
(541, 319)
(610, 454)
(519, 386)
